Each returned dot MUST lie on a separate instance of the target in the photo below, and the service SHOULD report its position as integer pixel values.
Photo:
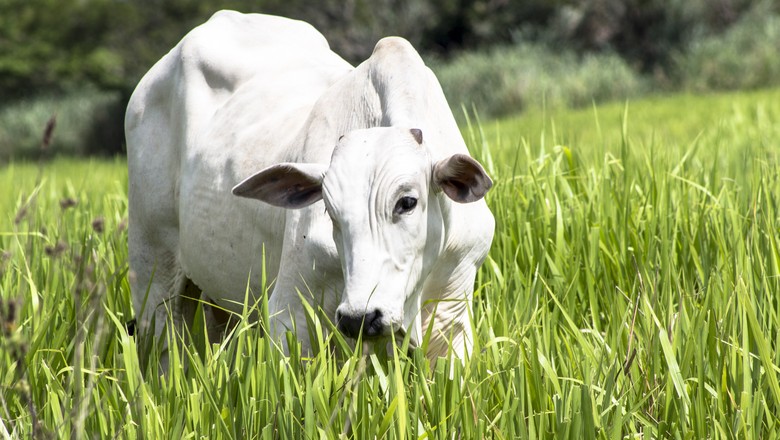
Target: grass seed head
(98, 225)
(9, 312)
(68, 203)
(56, 250)
(20, 215)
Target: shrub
(745, 56)
(87, 121)
(512, 78)
(644, 32)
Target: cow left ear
(286, 185)
(462, 178)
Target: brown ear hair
(462, 178)
(286, 185)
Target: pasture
(632, 291)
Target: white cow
(373, 209)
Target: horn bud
(417, 134)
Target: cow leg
(288, 313)
(219, 322)
(172, 299)
(284, 311)
(157, 285)
(446, 307)
(309, 269)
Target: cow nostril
(370, 324)
(373, 324)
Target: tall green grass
(631, 292)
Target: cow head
(383, 194)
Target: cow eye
(405, 204)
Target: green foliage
(55, 45)
(531, 76)
(51, 45)
(59, 45)
(509, 79)
(457, 25)
(644, 32)
(631, 292)
(502, 56)
(743, 57)
(88, 121)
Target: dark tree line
(49, 47)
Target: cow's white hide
(262, 101)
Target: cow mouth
(373, 343)
(396, 336)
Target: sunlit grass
(631, 292)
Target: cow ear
(286, 185)
(462, 178)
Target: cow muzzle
(369, 325)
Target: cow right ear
(286, 185)
(462, 178)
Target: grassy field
(632, 291)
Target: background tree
(99, 49)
